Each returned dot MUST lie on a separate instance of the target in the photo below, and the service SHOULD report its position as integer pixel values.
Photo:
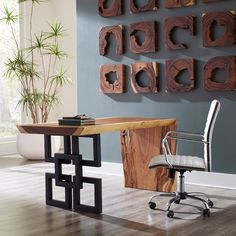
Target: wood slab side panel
(138, 147)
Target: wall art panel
(151, 5)
(179, 3)
(183, 22)
(223, 19)
(227, 63)
(173, 70)
(106, 84)
(115, 9)
(105, 32)
(151, 68)
(210, 1)
(150, 42)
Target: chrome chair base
(177, 197)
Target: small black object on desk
(77, 120)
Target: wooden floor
(23, 211)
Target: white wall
(65, 11)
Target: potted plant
(39, 69)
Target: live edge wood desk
(140, 140)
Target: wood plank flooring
(23, 211)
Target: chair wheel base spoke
(177, 201)
(210, 203)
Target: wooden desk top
(101, 125)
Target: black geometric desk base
(73, 184)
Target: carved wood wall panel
(228, 63)
(183, 22)
(210, 1)
(179, 3)
(173, 70)
(118, 86)
(225, 19)
(150, 6)
(105, 32)
(116, 9)
(151, 68)
(150, 42)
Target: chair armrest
(187, 136)
(179, 135)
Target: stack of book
(77, 120)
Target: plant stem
(32, 62)
(49, 67)
(14, 37)
(44, 83)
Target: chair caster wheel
(210, 203)
(170, 214)
(206, 212)
(152, 205)
(177, 201)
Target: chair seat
(179, 162)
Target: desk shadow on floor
(129, 224)
(182, 211)
(219, 223)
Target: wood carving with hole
(116, 9)
(108, 86)
(223, 19)
(151, 68)
(227, 63)
(151, 5)
(150, 41)
(210, 1)
(185, 22)
(118, 32)
(179, 3)
(173, 71)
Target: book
(76, 121)
(78, 117)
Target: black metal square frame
(60, 159)
(96, 162)
(71, 155)
(49, 193)
(97, 208)
(48, 148)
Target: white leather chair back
(208, 131)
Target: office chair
(182, 163)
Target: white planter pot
(31, 146)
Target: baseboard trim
(212, 179)
(107, 168)
(7, 148)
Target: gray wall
(189, 108)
